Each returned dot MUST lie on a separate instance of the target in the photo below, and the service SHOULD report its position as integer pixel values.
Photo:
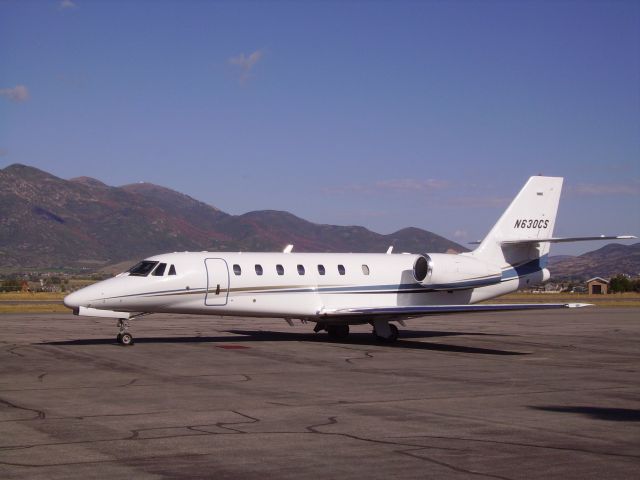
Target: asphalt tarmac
(532, 395)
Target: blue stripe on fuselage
(532, 266)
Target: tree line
(621, 284)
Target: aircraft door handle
(218, 290)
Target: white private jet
(336, 290)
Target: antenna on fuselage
(288, 249)
(390, 249)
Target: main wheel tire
(394, 333)
(391, 338)
(126, 339)
(338, 332)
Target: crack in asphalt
(334, 421)
(411, 449)
(449, 397)
(131, 383)
(519, 444)
(367, 353)
(311, 429)
(40, 415)
(13, 349)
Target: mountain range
(83, 224)
(608, 261)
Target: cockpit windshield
(142, 269)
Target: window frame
(161, 268)
(145, 273)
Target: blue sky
(382, 114)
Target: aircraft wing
(420, 310)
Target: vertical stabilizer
(531, 215)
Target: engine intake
(441, 271)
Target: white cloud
(411, 184)
(598, 190)
(477, 201)
(391, 185)
(245, 63)
(66, 4)
(19, 93)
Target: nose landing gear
(124, 337)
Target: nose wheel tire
(124, 337)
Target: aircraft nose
(73, 300)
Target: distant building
(553, 288)
(597, 285)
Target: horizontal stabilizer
(566, 239)
(418, 310)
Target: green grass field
(52, 302)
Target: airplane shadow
(599, 413)
(242, 337)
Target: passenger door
(217, 282)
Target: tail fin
(531, 215)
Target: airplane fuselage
(288, 285)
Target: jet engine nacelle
(441, 271)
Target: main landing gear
(383, 331)
(124, 337)
(335, 332)
(338, 332)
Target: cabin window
(280, 269)
(365, 269)
(258, 269)
(159, 271)
(341, 269)
(172, 270)
(321, 270)
(300, 269)
(237, 270)
(142, 269)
